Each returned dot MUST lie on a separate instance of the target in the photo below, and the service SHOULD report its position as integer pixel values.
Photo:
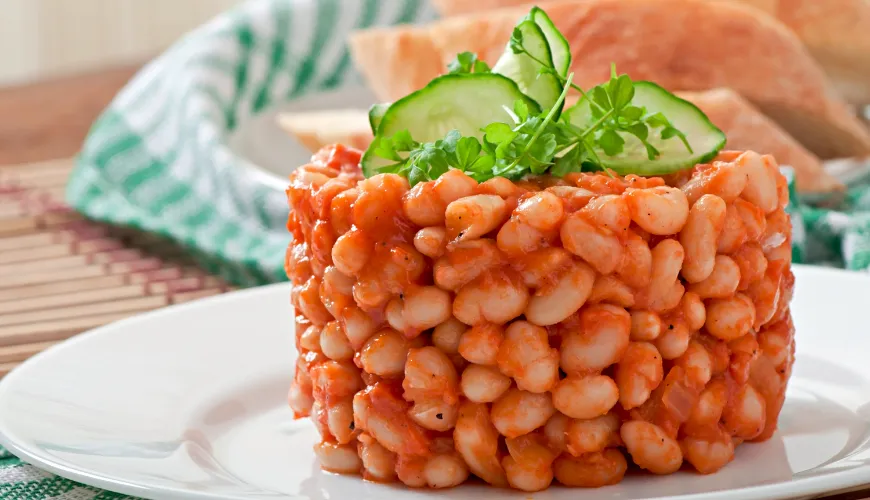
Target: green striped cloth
(158, 158)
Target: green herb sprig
(536, 143)
(615, 98)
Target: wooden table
(59, 273)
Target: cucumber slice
(464, 102)
(560, 50)
(543, 88)
(376, 113)
(705, 138)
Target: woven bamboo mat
(61, 274)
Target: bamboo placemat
(61, 274)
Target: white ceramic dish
(271, 151)
(189, 403)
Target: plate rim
(832, 483)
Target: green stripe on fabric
(409, 12)
(277, 57)
(45, 488)
(253, 265)
(327, 13)
(368, 16)
(201, 217)
(175, 192)
(108, 495)
(152, 170)
(123, 143)
(168, 106)
(225, 235)
(246, 38)
(265, 217)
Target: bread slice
(836, 32)
(680, 44)
(315, 129)
(747, 128)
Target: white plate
(271, 150)
(189, 403)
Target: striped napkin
(158, 160)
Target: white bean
(334, 343)
(760, 187)
(597, 246)
(431, 241)
(722, 282)
(650, 447)
(339, 420)
(445, 471)
(483, 384)
(744, 416)
(496, 297)
(464, 262)
(378, 462)
(338, 458)
(446, 335)
(660, 210)
(699, 237)
(384, 354)
(526, 355)
(553, 304)
(585, 397)
(477, 441)
(358, 326)
(601, 341)
(426, 307)
(474, 216)
(542, 211)
(645, 325)
(520, 412)
(593, 435)
(638, 373)
(730, 318)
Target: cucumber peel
(524, 68)
(704, 138)
(560, 50)
(465, 102)
(376, 113)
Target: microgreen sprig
(614, 98)
(536, 142)
(467, 62)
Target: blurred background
(62, 61)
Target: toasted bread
(836, 32)
(315, 129)
(747, 128)
(680, 44)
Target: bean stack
(548, 329)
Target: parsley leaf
(467, 62)
(611, 142)
(467, 152)
(534, 144)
